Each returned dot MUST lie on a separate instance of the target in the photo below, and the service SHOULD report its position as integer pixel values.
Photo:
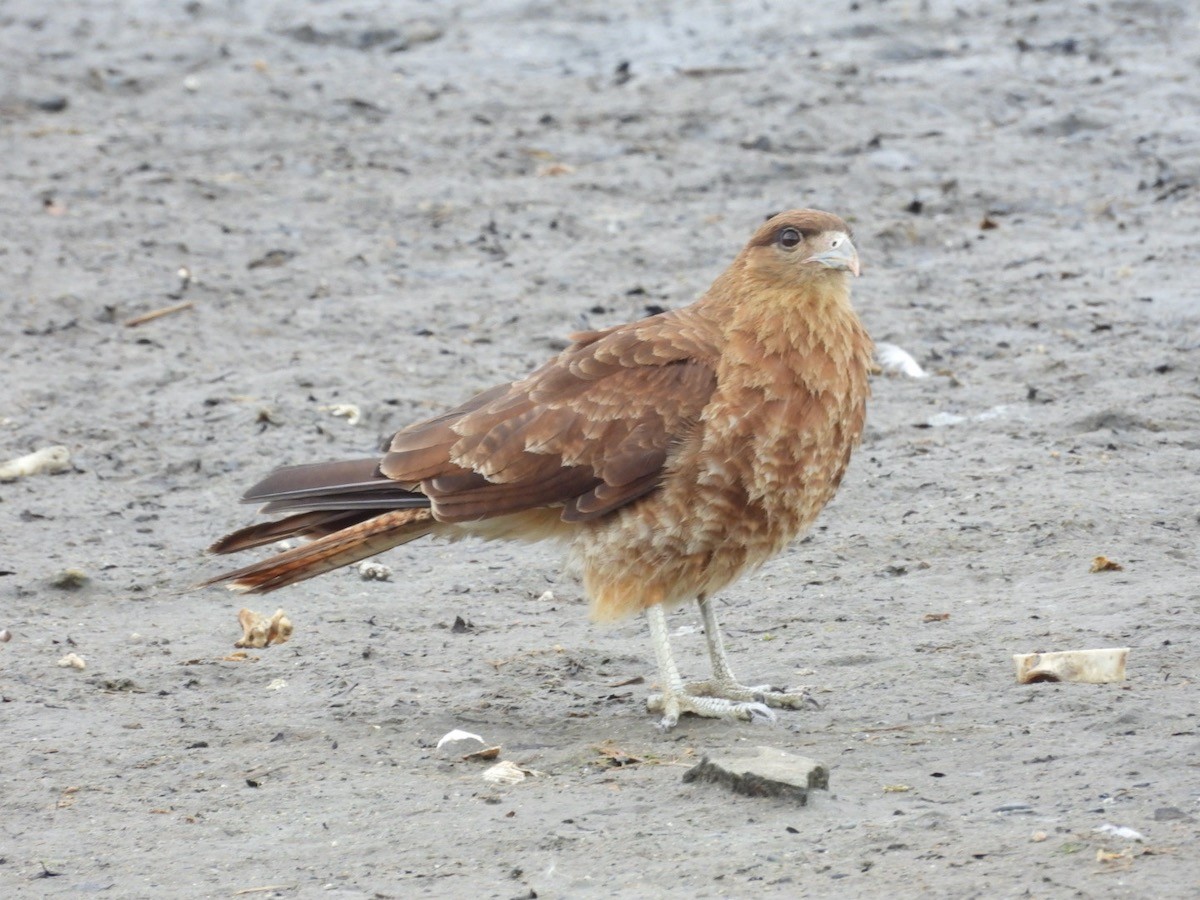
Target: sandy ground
(395, 204)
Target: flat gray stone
(763, 772)
(1170, 814)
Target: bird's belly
(708, 523)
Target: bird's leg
(724, 684)
(722, 674)
(676, 699)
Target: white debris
(547, 597)
(72, 661)
(277, 685)
(369, 570)
(348, 411)
(1119, 831)
(506, 772)
(942, 419)
(46, 461)
(897, 361)
(996, 412)
(1080, 666)
(451, 736)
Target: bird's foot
(672, 705)
(765, 694)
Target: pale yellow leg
(724, 684)
(677, 698)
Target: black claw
(762, 715)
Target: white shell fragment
(72, 661)
(46, 461)
(506, 772)
(897, 361)
(451, 736)
(1080, 666)
(1119, 831)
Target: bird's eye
(789, 238)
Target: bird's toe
(672, 706)
(760, 714)
(668, 705)
(797, 699)
(764, 695)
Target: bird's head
(802, 248)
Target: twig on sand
(264, 889)
(157, 314)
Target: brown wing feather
(590, 431)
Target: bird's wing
(590, 431)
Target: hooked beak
(843, 257)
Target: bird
(669, 455)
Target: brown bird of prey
(670, 455)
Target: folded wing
(590, 431)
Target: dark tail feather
(355, 484)
(315, 479)
(307, 525)
(341, 548)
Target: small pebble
(374, 571)
(1013, 808)
(422, 32)
(70, 580)
(55, 103)
(5, 636)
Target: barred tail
(332, 551)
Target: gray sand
(395, 205)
